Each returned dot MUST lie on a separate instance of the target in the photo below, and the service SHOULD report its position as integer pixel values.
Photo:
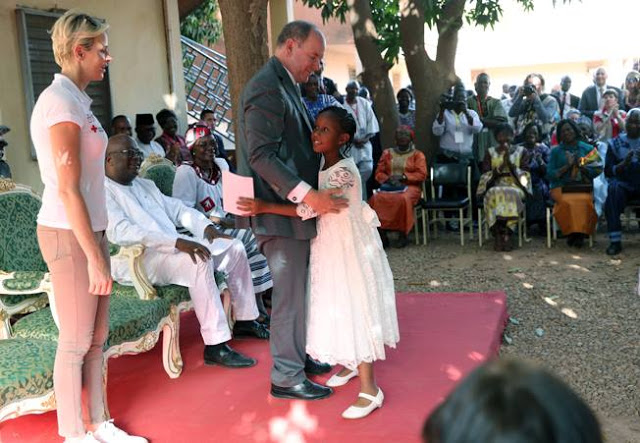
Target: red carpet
(443, 337)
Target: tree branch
(449, 24)
(376, 70)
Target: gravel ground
(575, 311)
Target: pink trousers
(84, 327)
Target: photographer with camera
(455, 125)
(531, 105)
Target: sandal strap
(371, 398)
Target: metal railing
(207, 86)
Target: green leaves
(202, 25)
(386, 17)
(330, 8)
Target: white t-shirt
(152, 148)
(62, 101)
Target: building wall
(143, 74)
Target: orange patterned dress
(395, 209)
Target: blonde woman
(70, 144)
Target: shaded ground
(574, 311)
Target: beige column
(280, 13)
(175, 97)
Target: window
(38, 64)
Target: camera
(446, 101)
(528, 89)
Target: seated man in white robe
(140, 214)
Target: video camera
(446, 101)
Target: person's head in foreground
(508, 401)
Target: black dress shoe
(251, 328)
(223, 355)
(384, 238)
(264, 320)
(314, 367)
(402, 240)
(307, 390)
(614, 248)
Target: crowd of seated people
(566, 139)
(558, 154)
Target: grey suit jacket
(274, 147)
(589, 100)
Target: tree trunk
(429, 78)
(376, 71)
(246, 50)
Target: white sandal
(340, 380)
(356, 412)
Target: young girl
(352, 310)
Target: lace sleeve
(342, 178)
(305, 212)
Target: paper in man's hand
(233, 187)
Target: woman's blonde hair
(74, 28)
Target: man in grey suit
(274, 147)
(592, 95)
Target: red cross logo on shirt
(94, 128)
(207, 204)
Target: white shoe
(107, 432)
(357, 412)
(87, 438)
(340, 380)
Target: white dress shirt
(455, 132)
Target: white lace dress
(352, 305)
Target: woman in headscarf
(400, 172)
(406, 115)
(572, 167)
